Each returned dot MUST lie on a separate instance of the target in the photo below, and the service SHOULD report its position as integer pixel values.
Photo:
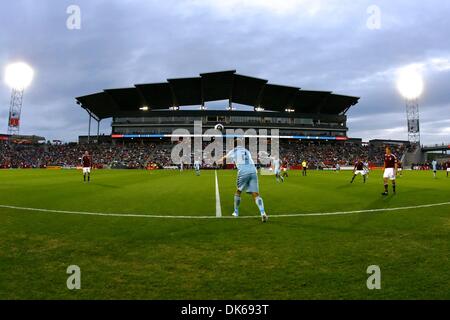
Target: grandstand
(155, 110)
(313, 124)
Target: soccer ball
(219, 127)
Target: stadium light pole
(18, 77)
(410, 85)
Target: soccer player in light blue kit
(276, 163)
(434, 164)
(197, 167)
(247, 179)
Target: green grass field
(302, 257)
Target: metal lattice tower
(412, 116)
(15, 108)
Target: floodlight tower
(410, 85)
(18, 76)
(412, 116)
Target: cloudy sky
(335, 45)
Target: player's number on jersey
(245, 158)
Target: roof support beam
(230, 95)
(346, 109)
(202, 96)
(176, 105)
(260, 94)
(91, 114)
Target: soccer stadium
(221, 186)
(184, 216)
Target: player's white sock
(260, 203)
(237, 202)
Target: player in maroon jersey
(359, 169)
(448, 167)
(390, 170)
(86, 161)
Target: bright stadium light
(410, 83)
(410, 86)
(18, 75)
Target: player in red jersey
(359, 169)
(390, 170)
(448, 167)
(86, 161)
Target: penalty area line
(131, 215)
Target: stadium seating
(139, 156)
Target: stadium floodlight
(410, 85)
(18, 76)
(144, 108)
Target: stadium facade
(154, 110)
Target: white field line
(218, 207)
(215, 217)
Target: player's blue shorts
(248, 182)
(277, 171)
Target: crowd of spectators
(440, 165)
(376, 152)
(322, 154)
(158, 154)
(69, 155)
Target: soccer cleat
(384, 194)
(234, 214)
(264, 217)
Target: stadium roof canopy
(214, 86)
